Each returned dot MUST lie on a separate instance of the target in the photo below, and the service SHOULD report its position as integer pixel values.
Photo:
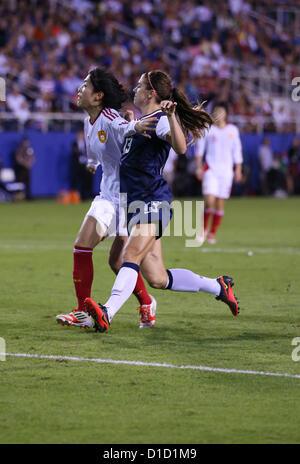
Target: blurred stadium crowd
(227, 49)
(244, 52)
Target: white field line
(152, 364)
(69, 247)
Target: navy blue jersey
(142, 163)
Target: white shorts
(110, 217)
(217, 185)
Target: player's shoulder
(157, 114)
(111, 119)
(232, 128)
(109, 114)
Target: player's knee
(156, 282)
(130, 256)
(114, 264)
(81, 242)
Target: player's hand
(168, 107)
(145, 125)
(238, 176)
(129, 115)
(199, 174)
(91, 169)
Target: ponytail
(194, 119)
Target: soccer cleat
(147, 314)
(76, 318)
(99, 313)
(227, 295)
(211, 239)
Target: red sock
(217, 218)
(141, 293)
(83, 274)
(207, 214)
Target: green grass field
(64, 401)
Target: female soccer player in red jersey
(101, 95)
(149, 197)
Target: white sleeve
(200, 146)
(122, 129)
(173, 155)
(237, 148)
(163, 128)
(92, 159)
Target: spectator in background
(18, 104)
(277, 178)
(49, 50)
(4, 195)
(194, 185)
(81, 178)
(24, 160)
(293, 175)
(265, 158)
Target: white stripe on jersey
(151, 115)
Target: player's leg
(209, 206)
(146, 301)
(92, 231)
(224, 191)
(209, 191)
(184, 280)
(217, 218)
(146, 252)
(83, 270)
(153, 267)
(154, 271)
(140, 241)
(115, 254)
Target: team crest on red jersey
(102, 136)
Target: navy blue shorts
(152, 212)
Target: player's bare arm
(199, 168)
(238, 173)
(176, 137)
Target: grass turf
(57, 401)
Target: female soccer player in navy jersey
(101, 95)
(141, 179)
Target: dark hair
(221, 104)
(193, 119)
(105, 81)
